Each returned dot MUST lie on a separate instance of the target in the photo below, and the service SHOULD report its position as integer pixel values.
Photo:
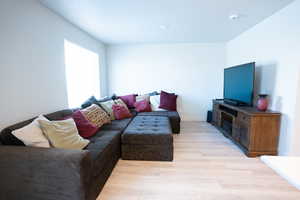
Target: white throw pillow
(32, 134)
(155, 102)
(63, 134)
(107, 106)
(142, 97)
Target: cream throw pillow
(96, 115)
(63, 134)
(107, 106)
(32, 134)
(121, 103)
(155, 102)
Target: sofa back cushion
(7, 138)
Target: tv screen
(239, 83)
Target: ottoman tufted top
(148, 130)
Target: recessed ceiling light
(163, 27)
(234, 17)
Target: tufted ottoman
(148, 138)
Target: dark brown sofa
(49, 173)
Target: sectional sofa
(49, 173)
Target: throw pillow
(143, 106)
(153, 93)
(95, 115)
(121, 102)
(121, 112)
(107, 106)
(168, 101)
(93, 100)
(143, 97)
(32, 134)
(106, 98)
(63, 134)
(89, 102)
(85, 128)
(155, 102)
(129, 100)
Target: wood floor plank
(206, 166)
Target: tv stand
(255, 132)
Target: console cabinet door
(244, 135)
(244, 127)
(216, 115)
(236, 131)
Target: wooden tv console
(255, 132)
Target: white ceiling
(140, 21)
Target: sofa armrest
(44, 173)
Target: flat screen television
(239, 84)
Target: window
(82, 74)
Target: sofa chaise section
(103, 153)
(44, 173)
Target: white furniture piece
(286, 166)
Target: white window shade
(82, 74)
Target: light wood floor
(206, 166)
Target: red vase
(263, 102)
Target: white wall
(275, 45)
(193, 71)
(32, 73)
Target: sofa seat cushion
(173, 116)
(118, 125)
(148, 130)
(102, 147)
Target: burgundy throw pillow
(129, 100)
(168, 101)
(120, 112)
(85, 128)
(143, 106)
